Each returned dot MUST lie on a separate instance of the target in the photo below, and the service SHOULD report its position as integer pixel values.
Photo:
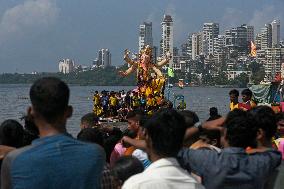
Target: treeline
(99, 77)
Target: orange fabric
(129, 151)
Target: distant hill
(99, 77)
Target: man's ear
(69, 112)
(30, 112)
(260, 134)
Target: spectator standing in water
(234, 101)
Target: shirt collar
(164, 162)
(50, 138)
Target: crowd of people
(117, 104)
(166, 149)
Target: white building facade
(167, 42)
(145, 35)
(66, 66)
(275, 31)
(210, 31)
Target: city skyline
(38, 44)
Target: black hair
(31, 131)
(130, 134)
(247, 92)
(90, 119)
(166, 128)
(135, 114)
(125, 167)
(93, 135)
(234, 92)
(11, 133)
(49, 97)
(241, 130)
(212, 135)
(265, 119)
(213, 111)
(190, 117)
(279, 116)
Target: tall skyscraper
(258, 41)
(274, 57)
(250, 32)
(266, 37)
(167, 42)
(237, 40)
(66, 66)
(145, 35)
(104, 58)
(210, 31)
(275, 31)
(219, 49)
(196, 40)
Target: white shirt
(165, 173)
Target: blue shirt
(54, 162)
(232, 168)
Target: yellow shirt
(232, 106)
(135, 101)
(98, 110)
(113, 101)
(149, 91)
(96, 99)
(150, 102)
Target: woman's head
(125, 167)
(11, 133)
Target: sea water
(14, 101)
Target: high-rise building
(104, 58)
(219, 44)
(155, 54)
(189, 45)
(175, 55)
(258, 41)
(219, 49)
(196, 39)
(274, 57)
(250, 32)
(266, 37)
(167, 37)
(275, 30)
(66, 66)
(236, 40)
(145, 35)
(210, 31)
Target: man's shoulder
(16, 153)
(136, 180)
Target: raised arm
(165, 60)
(127, 59)
(128, 71)
(157, 71)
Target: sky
(36, 34)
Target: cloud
(265, 15)
(179, 25)
(28, 18)
(233, 17)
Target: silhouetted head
(234, 95)
(11, 133)
(165, 132)
(240, 129)
(125, 167)
(265, 121)
(89, 120)
(49, 97)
